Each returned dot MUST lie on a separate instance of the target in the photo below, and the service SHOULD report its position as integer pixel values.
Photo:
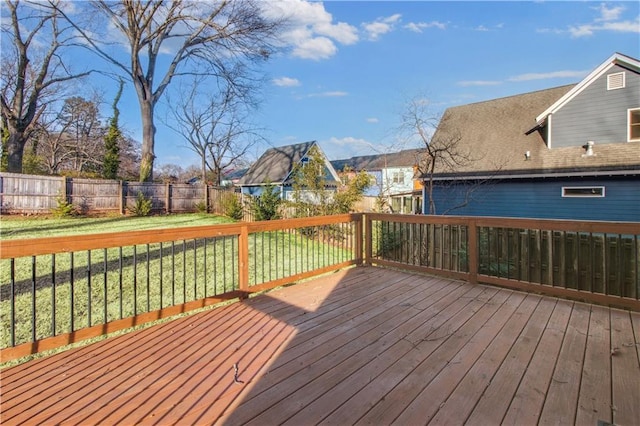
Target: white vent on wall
(615, 81)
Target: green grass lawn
(92, 287)
(18, 227)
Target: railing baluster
(12, 302)
(173, 273)
(148, 280)
(33, 298)
(161, 276)
(184, 271)
(53, 294)
(135, 281)
(71, 293)
(120, 267)
(88, 288)
(195, 269)
(105, 265)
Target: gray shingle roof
(275, 164)
(405, 158)
(494, 134)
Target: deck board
(361, 346)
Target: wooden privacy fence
(40, 194)
(56, 291)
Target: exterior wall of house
(596, 114)
(397, 180)
(542, 199)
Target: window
(634, 125)
(583, 191)
(398, 177)
(615, 81)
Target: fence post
(167, 198)
(472, 251)
(243, 261)
(206, 197)
(123, 202)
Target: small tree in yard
(267, 205)
(112, 142)
(345, 199)
(310, 195)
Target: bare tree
(32, 67)
(218, 38)
(216, 127)
(444, 154)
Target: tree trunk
(148, 138)
(15, 150)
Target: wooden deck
(361, 346)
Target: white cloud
(621, 26)
(481, 28)
(315, 48)
(417, 27)
(381, 26)
(608, 19)
(548, 75)
(286, 82)
(347, 147)
(372, 120)
(478, 83)
(311, 33)
(609, 14)
(330, 94)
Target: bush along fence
(32, 194)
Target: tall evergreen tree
(112, 141)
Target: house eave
(534, 175)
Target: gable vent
(615, 81)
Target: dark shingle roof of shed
(493, 133)
(275, 164)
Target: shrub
(64, 208)
(142, 206)
(201, 206)
(232, 207)
(267, 205)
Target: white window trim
(629, 111)
(622, 86)
(565, 195)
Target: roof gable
(276, 164)
(616, 59)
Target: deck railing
(597, 262)
(56, 291)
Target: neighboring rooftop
(405, 158)
(497, 136)
(276, 164)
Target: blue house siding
(542, 198)
(596, 113)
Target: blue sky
(351, 66)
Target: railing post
(368, 239)
(243, 260)
(472, 251)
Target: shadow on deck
(364, 345)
